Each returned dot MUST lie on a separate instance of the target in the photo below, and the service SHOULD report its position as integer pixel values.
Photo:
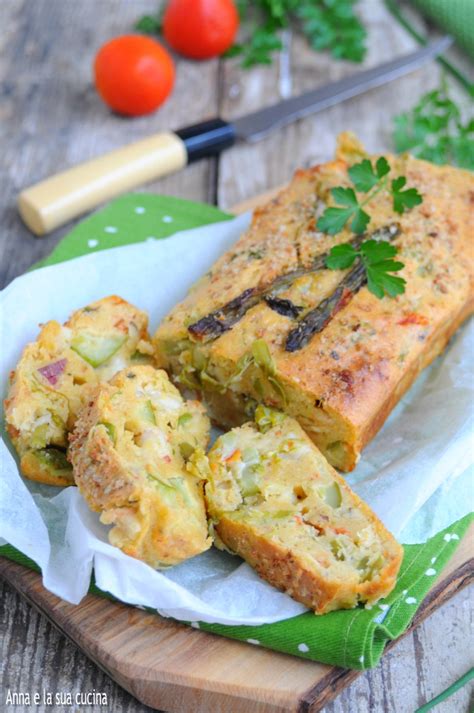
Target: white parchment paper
(416, 474)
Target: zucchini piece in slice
(39, 437)
(141, 358)
(186, 450)
(333, 495)
(96, 349)
(111, 430)
(48, 465)
(145, 412)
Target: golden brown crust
(434, 347)
(55, 374)
(128, 465)
(43, 472)
(275, 501)
(342, 385)
(279, 566)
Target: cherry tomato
(133, 74)
(200, 29)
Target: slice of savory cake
(275, 501)
(129, 451)
(51, 381)
(269, 323)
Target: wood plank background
(51, 118)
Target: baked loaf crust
(54, 374)
(129, 450)
(344, 382)
(276, 502)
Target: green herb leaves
(258, 47)
(376, 256)
(433, 130)
(377, 259)
(332, 25)
(149, 25)
(327, 24)
(363, 175)
(371, 180)
(404, 199)
(333, 220)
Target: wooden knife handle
(51, 203)
(56, 200)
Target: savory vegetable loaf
(229, 338)
(52, 378)
(129, 451)
(274, 500)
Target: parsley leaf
(333, 220)
(377, 250)
(363, 175)
(341, 257)
(149, 25)
(261, 44)
(376, 257)
(360, 222)
(327, 25)
(380, 282)
(333, 26)
(370, 179)
(434, 130)
(382, 167)
(404, 200)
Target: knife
(56, 200)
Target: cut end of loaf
(129, 451)
(276, 502)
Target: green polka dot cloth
(351, 639)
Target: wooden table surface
(51, 118)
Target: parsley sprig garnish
(434, 130)
(376, 256)
(327, 25)
(371, 180)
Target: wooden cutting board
(172, 667)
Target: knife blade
(259, 124)
(56, 200)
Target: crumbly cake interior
(227, 340)
(269, 477)
(233, 390)
(53, 377)
(129, 451)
